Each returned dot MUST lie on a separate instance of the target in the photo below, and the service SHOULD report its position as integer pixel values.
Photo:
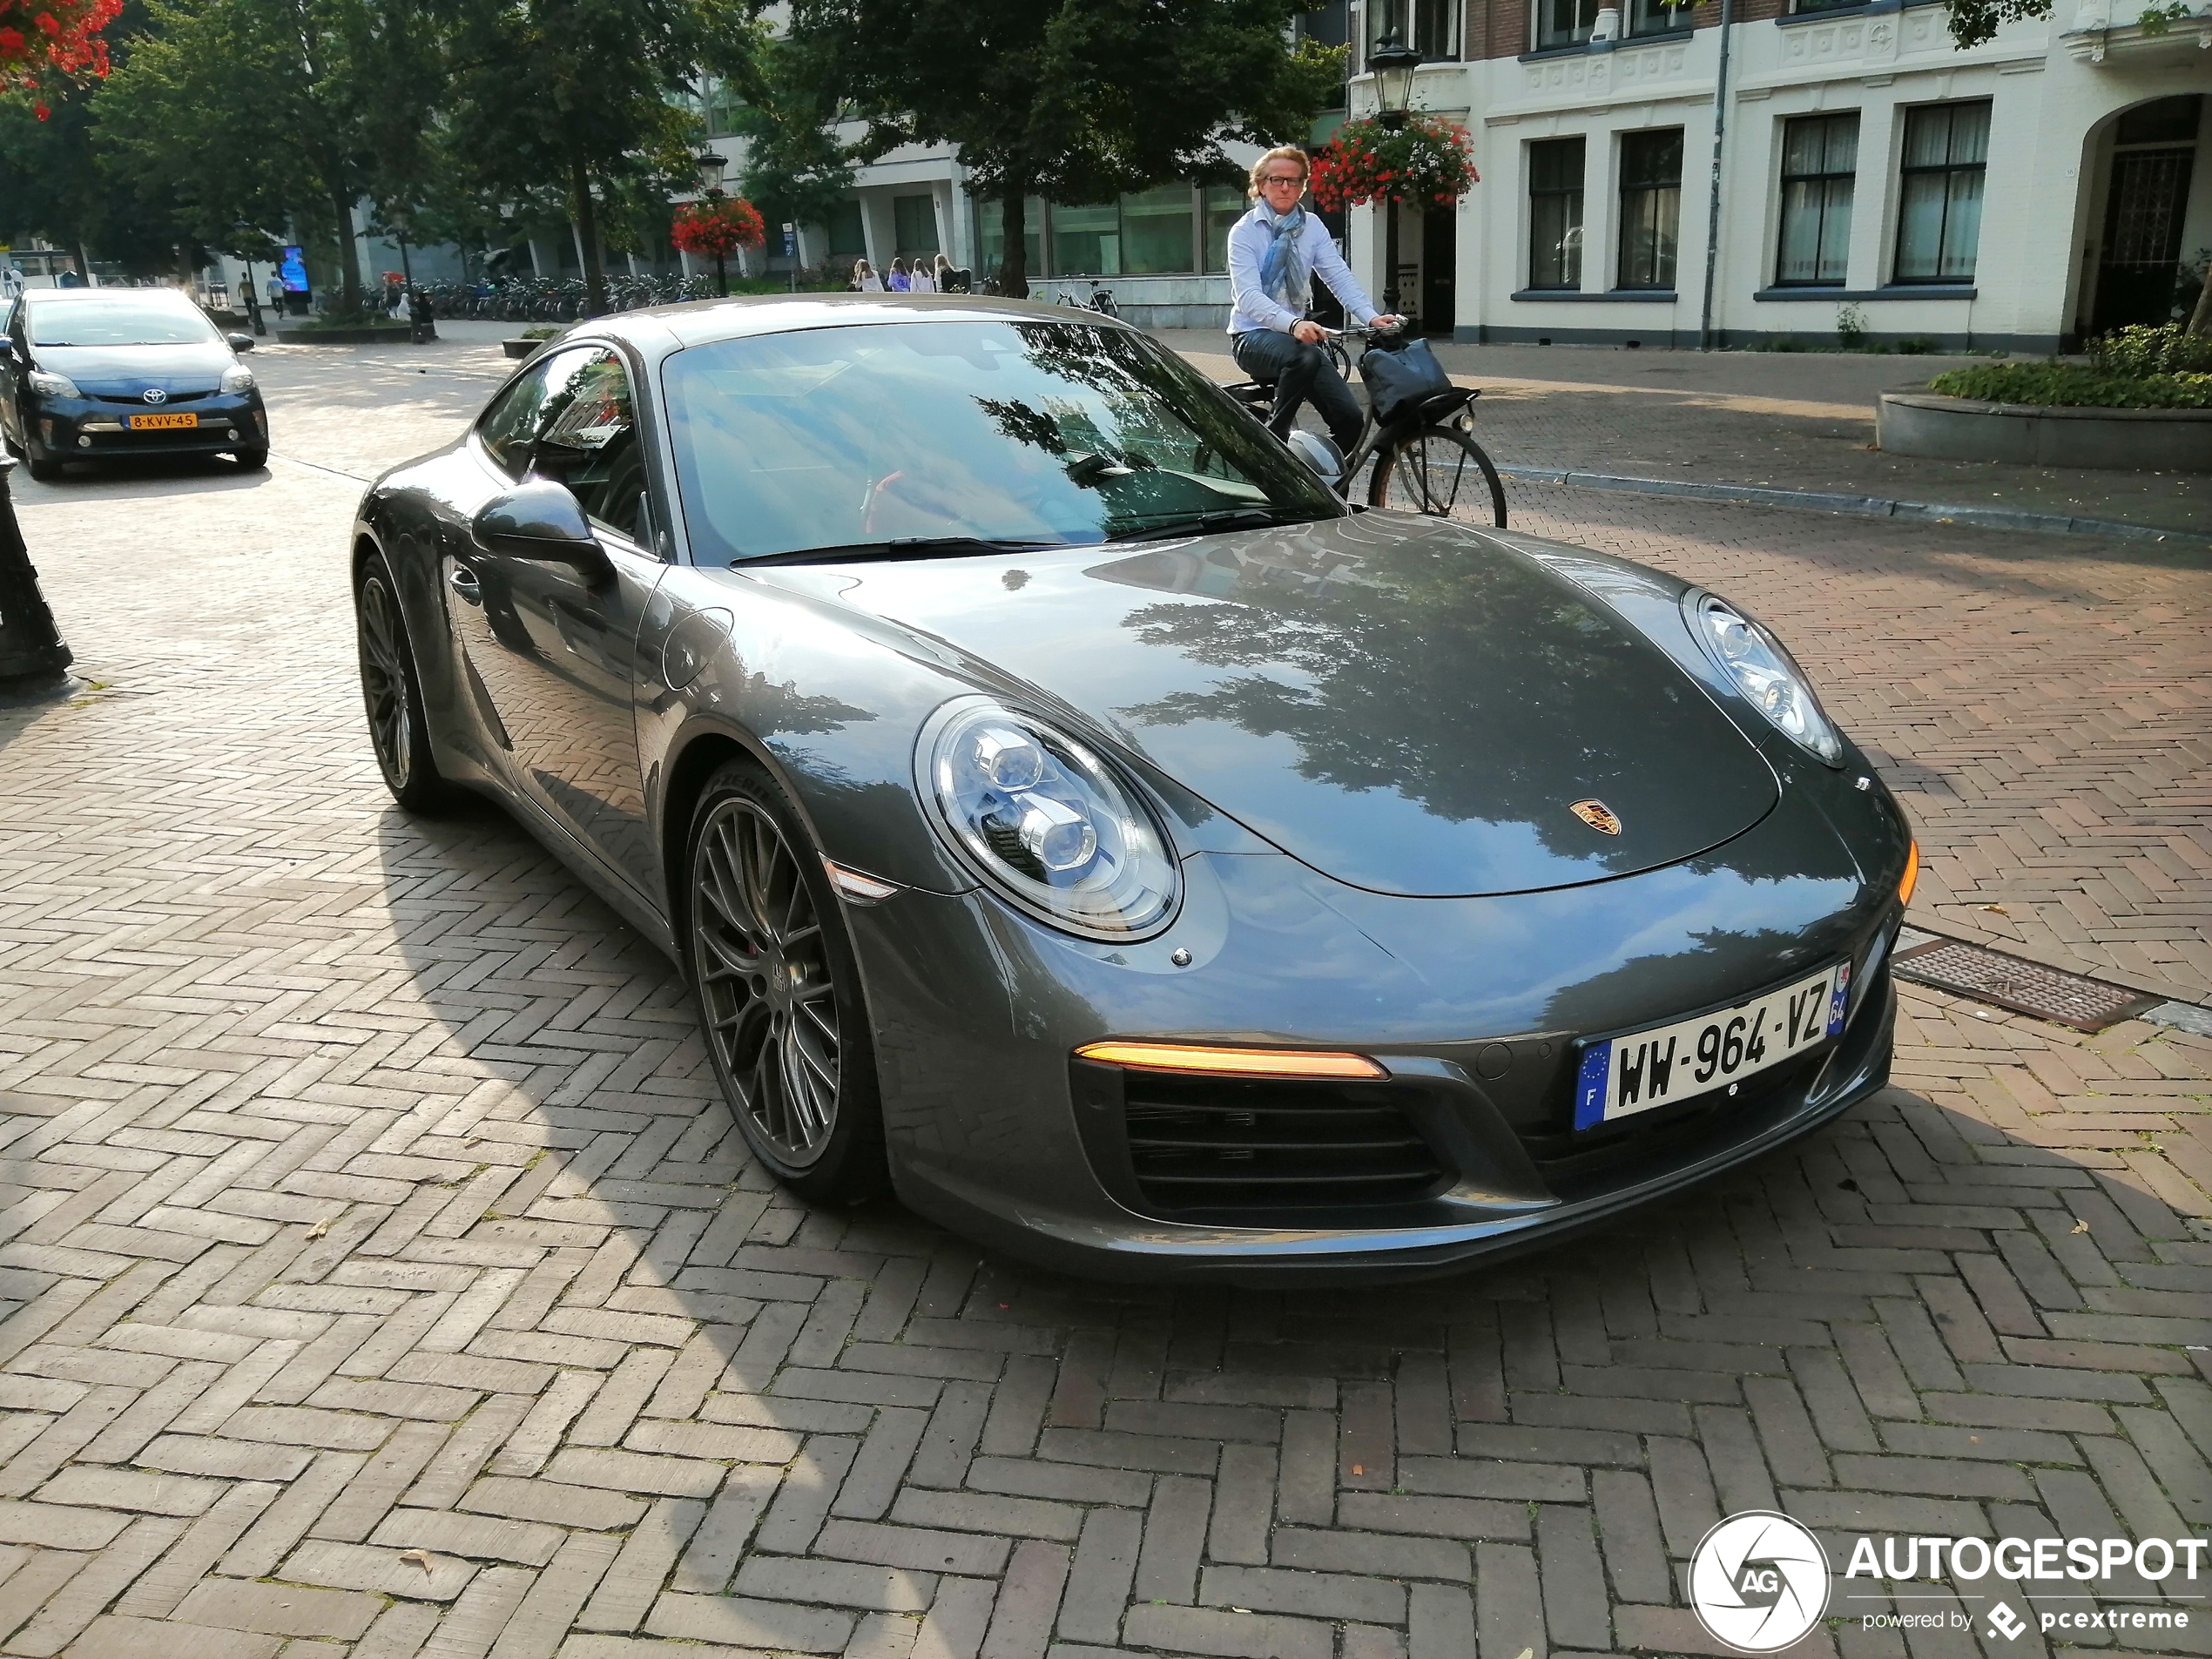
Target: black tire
(1340, 358)
(392, 695)
(252, 460)
(39, 461)
(1441, 471)
(780, 993)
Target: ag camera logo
(1758, 1581)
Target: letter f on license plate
(1621, 1076)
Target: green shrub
(1916, 345)
(2146, 348)
(2070, 384)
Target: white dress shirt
(1254, 307)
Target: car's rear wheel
(397, 728)
(779, 993)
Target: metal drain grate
(2023, 987)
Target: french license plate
(154, 423)
(1621, 1076)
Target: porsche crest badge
(1597, 815)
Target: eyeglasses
(1283, 178)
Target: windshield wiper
(903, 547)
(1224, 518)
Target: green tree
(579, 95)
(316, 101)
(795, 168)
(1076, 100)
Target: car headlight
(46, 383)
(1765, 673)
(1046, 822)
(237, 378)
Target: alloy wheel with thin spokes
(1441, 471)
(385, 688)
(765, 983)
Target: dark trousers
(1299, 372)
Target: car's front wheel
(392, 695)
(779, 993)
(252, 460)
(38, 460)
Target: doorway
(2138, 268)
(1440, 269)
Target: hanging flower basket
(59, 39)
(717, 226)
(1427, 160)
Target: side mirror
(239, 342)
(542, 520)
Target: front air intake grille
(1217, 1143)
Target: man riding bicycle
(1275, 252)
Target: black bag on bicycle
(1401, 378)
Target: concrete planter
(523, 347)
(1957, 428)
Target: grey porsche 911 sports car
(1072, 815)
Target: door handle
(463, 581)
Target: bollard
(32, 656)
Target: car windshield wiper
(903, 547)
(1226, 518)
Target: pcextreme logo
(1760, 1581)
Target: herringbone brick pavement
(383, 1278)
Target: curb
(1995, 518)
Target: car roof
(702, 322)
(79, 296)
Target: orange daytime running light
(1911, 876)
(1248, 1062)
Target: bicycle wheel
(1340, 358)
(1441, 471)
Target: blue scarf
(1283, 275)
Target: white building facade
(2018, 196)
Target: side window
(570, 419)
(588, 440)
(509, 428)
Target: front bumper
(99, 429)
(1476, 1007)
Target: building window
(1658, 17)
(990, 236)
(1155, 231)
(1946, 152)
(841, 224)
(1564, 23)
(913, 224)
(1650, 207)
(1820, 162)
(1087, 241)
(1328, 25)
(1226, 205)
(1430, 27)
(1555, 213)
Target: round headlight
(1046, 822)
(1766, 674)
(237, 378)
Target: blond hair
(1280, 152)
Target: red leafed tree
(42, 40)
(717, 226)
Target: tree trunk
(2201, 319)
(349, 270)
(1014, 263)
(587, 230)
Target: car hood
(125, 370)
(1406, 706)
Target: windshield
(1030, 432)
(118, 322)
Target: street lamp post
(711, 166)
(242, 231)
(33, 659)
(1393, 63)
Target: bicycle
(1429, 452)
(1101, 300)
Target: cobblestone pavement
(383, 1278)
(1785, 421)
